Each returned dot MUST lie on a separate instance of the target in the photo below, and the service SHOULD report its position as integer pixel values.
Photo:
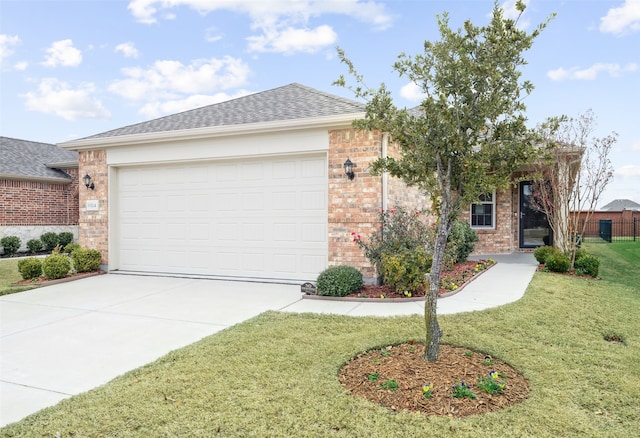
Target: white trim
(493, 214)
(209, 132)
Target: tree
(468, 134)
(572, 177)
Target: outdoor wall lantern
(348, 169)
(87, 182)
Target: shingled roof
(289, 102)
(31, 160)
(621, 204)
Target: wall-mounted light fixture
(87, 182)
(348, 169)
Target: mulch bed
(460, 275)
(404, 364)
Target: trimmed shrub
(34, 245)
(557, 262)
(11, 244)
(406, 270)
(541, 253)
(30, 268)
(338, 281)
(56, 266)
(49, 240)
(85, 260)
(461, 241)
(588, 264)
(69, 248)
(65, 238)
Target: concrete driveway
(65, 339)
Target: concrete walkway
(65, 339)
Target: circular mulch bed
(367, 375)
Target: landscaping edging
(395, 300)
(61, 280)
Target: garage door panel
(264, 218)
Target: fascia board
(35, 178)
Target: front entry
(534, 227)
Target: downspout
(385, 176)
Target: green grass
(276, 375)
(9, 274)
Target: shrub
(541, 253)
(400, 230)
(34, 245)
(69, 248)
(30, 268)
(11, 244)
(56, 266)
(461, 241)
(65, 238)
(557, 262)
(49, 240)
(588, 264)
(406, 270)
(338, 281)
(85, 260)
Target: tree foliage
(469, 133)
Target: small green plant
(34, 246)
(30, 268)
(65, 238)
(427, 389)
(373, 377)
(86, 260)
(492, 384)
(588, 264)
(558, 262)
(390, 384)
(406, 270)
(385, 353)
(542, 252)
(56, 266)
(49, 240)
(488, 360)
(461, 390)
(11, 244)
(70, 247)
(468, 353)
(339, 281)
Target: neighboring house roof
(621, 204)
(31, 160)
(289, 102)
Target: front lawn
(8, 275)
(276, 375)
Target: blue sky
(70, 69)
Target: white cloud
(623, 19)
(278, 21)
(171, 79)
(157, 109)
(592, 72)
(629, 170)
(128, 49)
(292, 40)
(6, 45)
(412, 92)
(635, 146)
(21, 65)
(63, 53)
(211, 35)
(59, 98)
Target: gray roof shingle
(289, 102)
(621, 204)
(23, 159)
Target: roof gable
(289, 102)
(621, 204)
(23, 159)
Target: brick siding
(504, 237)
(39, 203)
(94, 225)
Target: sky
(70, 69)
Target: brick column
(94, 225)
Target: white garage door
(256, 218)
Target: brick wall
(94, 225)
(39, 203)
(504, 237)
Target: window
(483, 212)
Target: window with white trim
(483, 213)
